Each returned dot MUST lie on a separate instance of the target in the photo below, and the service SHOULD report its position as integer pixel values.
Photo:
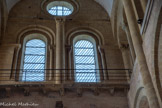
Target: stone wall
(70, 100)
(150, 46)
(27, 17)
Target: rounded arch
(84, 31)
(116, 17)
(25, 39)
(84, 37)
(11, 3)
(143, 103)
(47, 32)
(31, 36)
(35, 32)
(87, 34)
(85, 57)
(33, 56)
(139, 94)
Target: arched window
(34, 61)
(85, 61)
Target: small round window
(60, 8)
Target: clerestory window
(60, 11)
(34, 61)
(60, 8)
(85, 61)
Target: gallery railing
(63, 75)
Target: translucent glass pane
(29, 75)
(85, 77)
(85, 67)
(59, 7)
(33, 66)
(84, 44)
(79, 51)
(35, 43)
(60, 11)
(85, 62)
(39, 51)
(34, 61)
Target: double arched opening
(83, 58)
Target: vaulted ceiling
(107, 4)
(11, 3)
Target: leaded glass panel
(85, 63)
(34, 61)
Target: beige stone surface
(120, 43)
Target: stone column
(103, 61)
(133, 55)
(125, 53)
(51, 62)
(15, 59)
(144, 5)
(68, 63)
(59, 50)
(126, 59)
(137, 42)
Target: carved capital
(60, 20)
(112, 91)
(79, 92)
(44, 91)
(101, 49)
(8, 92)
(124, 47)
(68, 48)
(26, 91)
(96, 91)
(62, 91)
(51, 47)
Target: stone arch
(83, 31)
(143, 103)
(87, 31)
(140, 99)
(158, 53)
(50, 35)
(45, 34)
(115, 20)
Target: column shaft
(133, 55)
(125, 54)
(147, 81)
(59, 50)
(103, 60)
(126, 59)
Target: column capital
(60, 20)
(68, 48)
(101, 49)
(124, 46)
(51, 47)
